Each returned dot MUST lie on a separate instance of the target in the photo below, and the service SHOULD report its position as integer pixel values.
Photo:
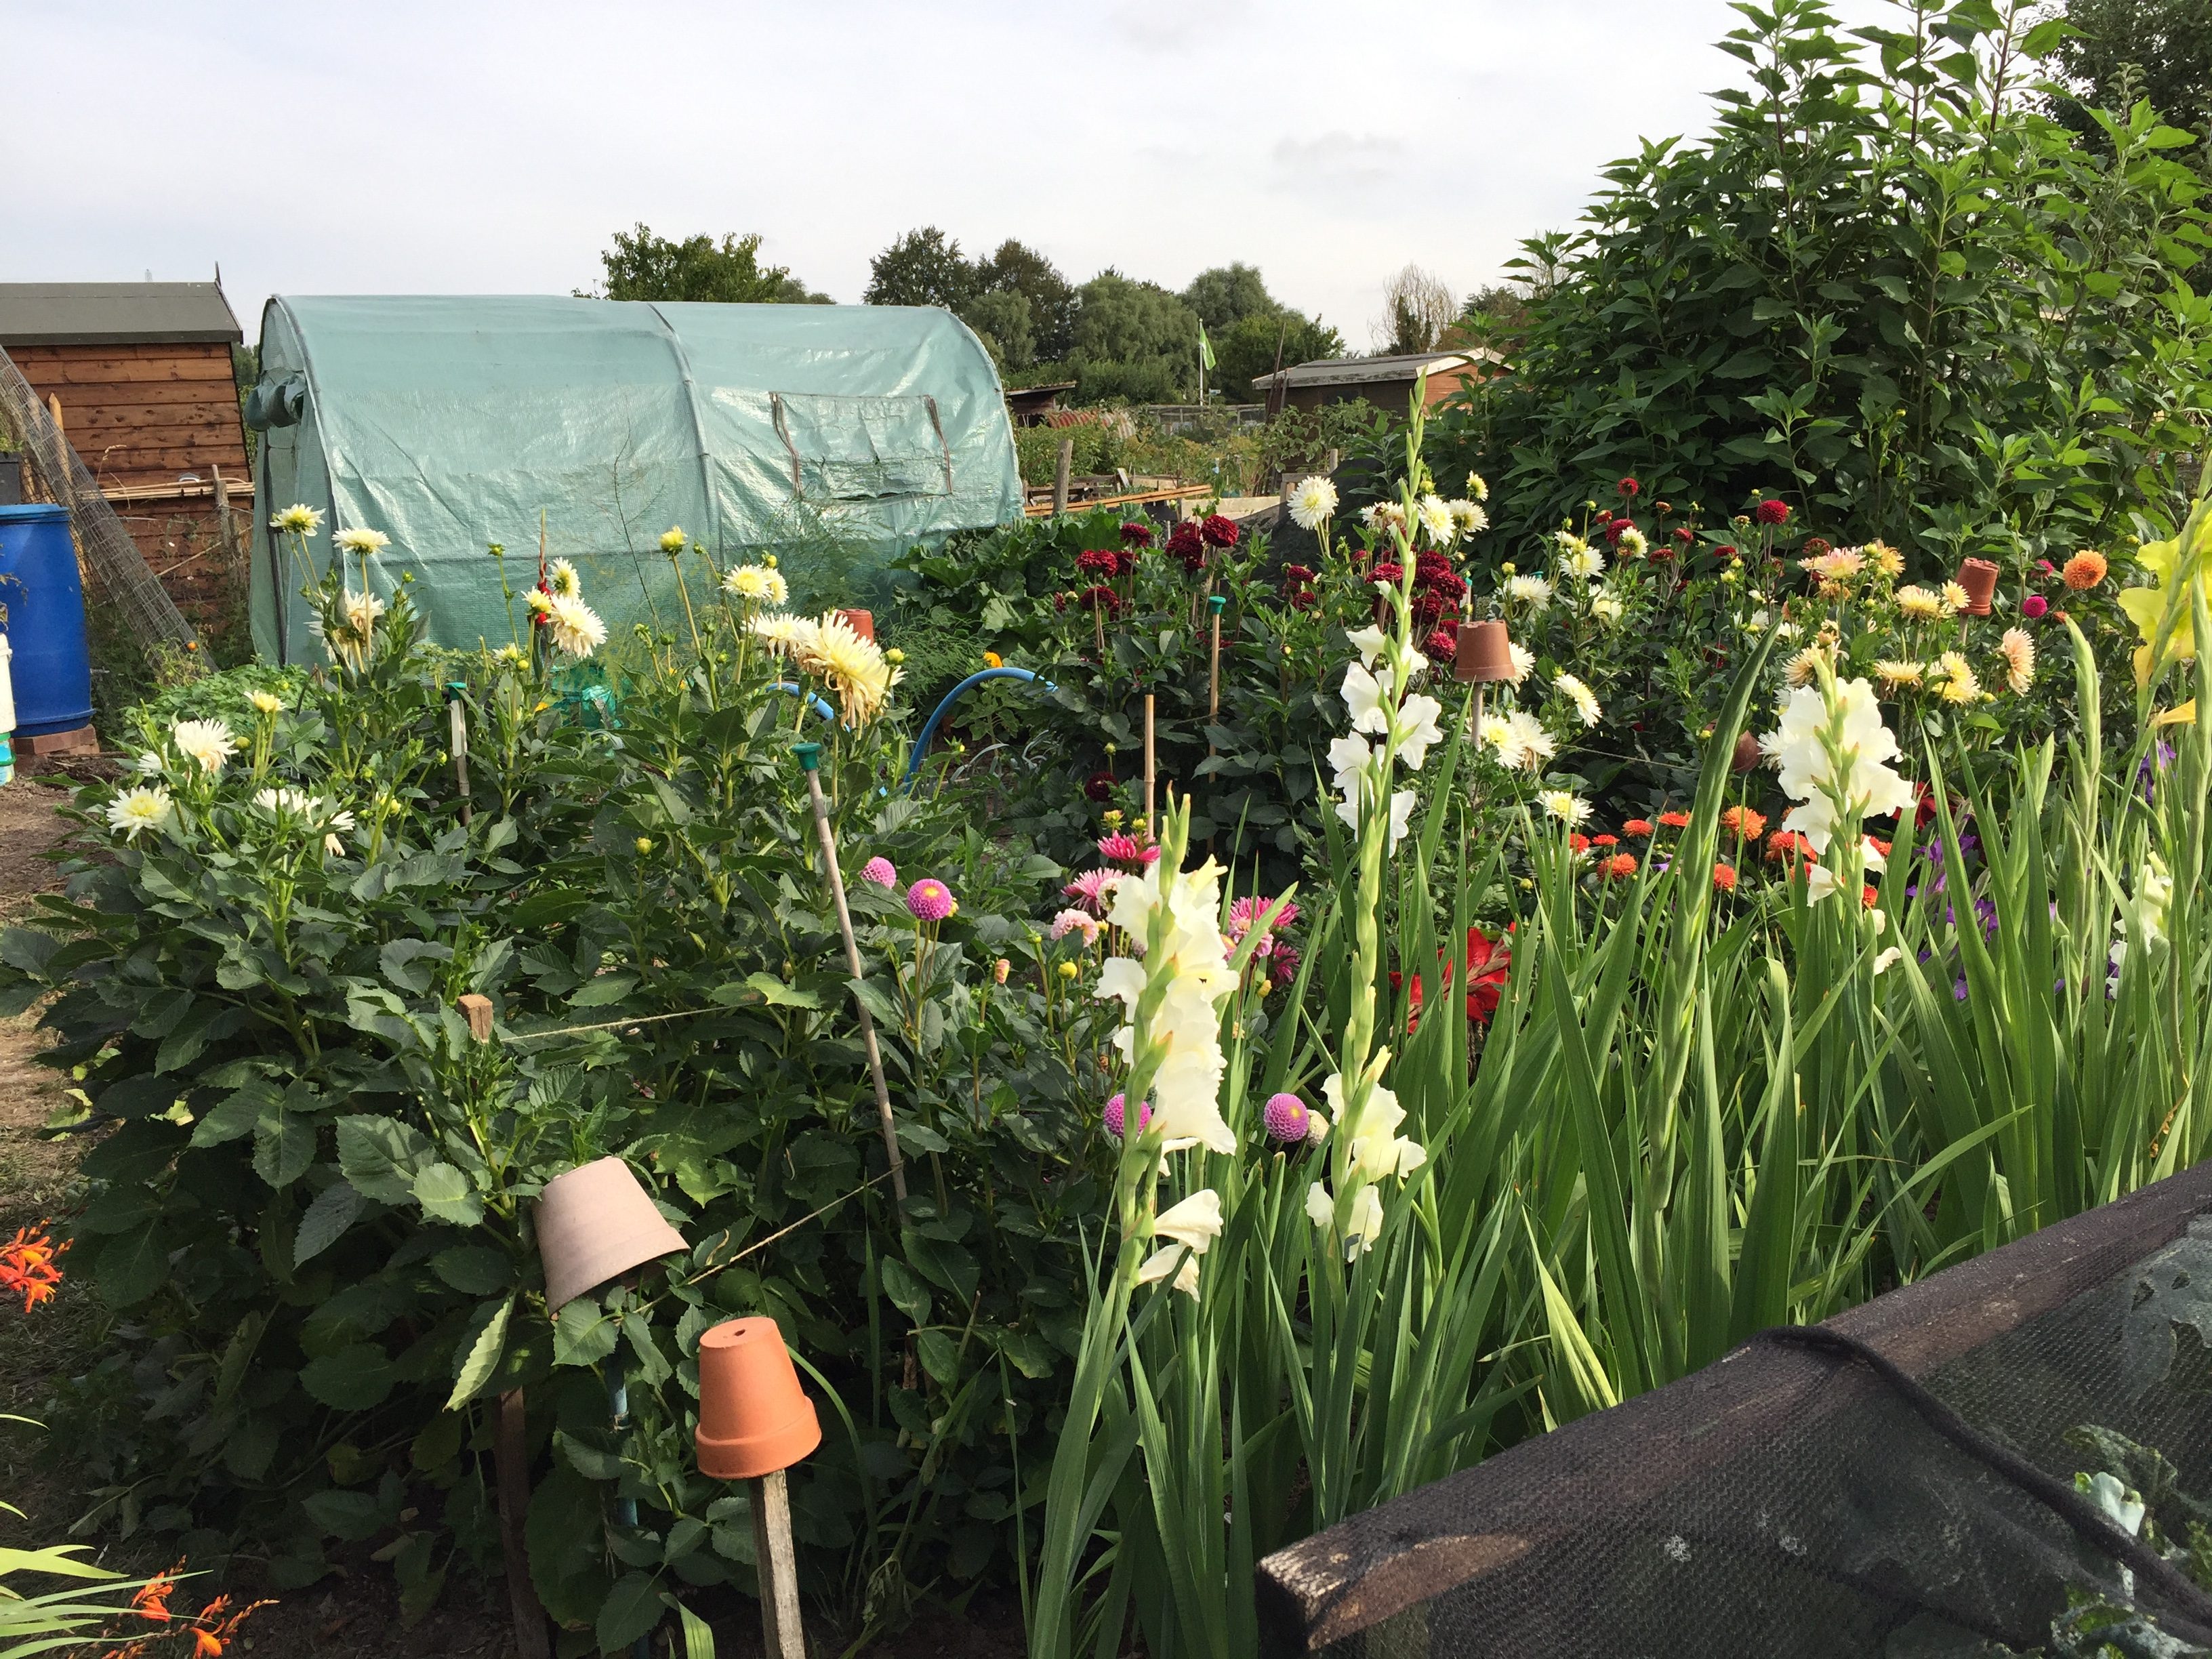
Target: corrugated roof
(114, 313)
(1350, 371)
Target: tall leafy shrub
(1884, 287)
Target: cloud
(1337, 163)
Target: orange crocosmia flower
(1675, 820)
(153, 1601)
(205, 1646)
(1638, 827)
(1724, 877)
(30, 1266)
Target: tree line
(1114, 336)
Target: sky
(405, 147)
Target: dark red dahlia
(1296, 575)
(1099, 786)
(1629, 489)
(1101, 597)
(1218, 530)
(1387, 570)
(1441, 645)
(1099, 561)
(1772, 512)
(1136, 535)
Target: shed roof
(1353, 371)
(115, 313)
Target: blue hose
(820, 707)
(929, 727)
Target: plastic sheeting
(834, 436)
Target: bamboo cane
(1148, 764)
(810, 760)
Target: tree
(1417, 309)
(922, 268)
(1820, 302)
(1225, 295)
(1134, 340)
(2120, 51)
(643, 266)
(1016, 268)
(1259, 340)
(1001, 320)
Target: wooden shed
(1385, 381)
(142, 376)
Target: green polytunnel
(834, 436)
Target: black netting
(1901, 1483)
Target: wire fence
(117, 578)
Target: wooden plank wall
(143, 414)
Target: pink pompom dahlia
(931, 900)
(879, 871)
(1287, 1118)
(1115, 1112)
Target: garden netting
(1907, 1481)
(835, 436)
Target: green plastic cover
(833, 436)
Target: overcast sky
(463, 147)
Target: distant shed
(142, 373)
(1386, 381)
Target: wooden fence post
(1059, 471)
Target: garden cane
(754, 1422)
(810, 761)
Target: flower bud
(644, 845)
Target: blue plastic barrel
(44, 602)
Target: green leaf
(380, 1157)
(776, 993)
(908, 1293)
(474, 1269)
(588, 1461)
(283, 1147)
(479, 1357)
(631, 1610)
(335, 1209)
(355, 1378)
(940, 1356)
(131, 1267)
(583, 1334)
(599, 992)
(352, 1516)
(410, 964)
(237, 1112)
(445, 1194)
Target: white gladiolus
(1867, 782)
(1186, 1093)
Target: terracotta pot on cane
(1747, 752)
(595, 1223)
(1485, 653)
(1979, 578)
(753, 1418)
(862, 623)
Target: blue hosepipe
(820, 707)
(929, 727)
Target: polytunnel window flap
(849, 448)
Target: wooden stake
(226, 525)
(777, 1565)
(1149, 830)
(1059, 471)
(853, 962)
(511, 1462)
(477, 1009)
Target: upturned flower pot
(596, 1222)
(1979, 578)
(862, 623)
(1484, 655)
(753, 1418)
(1748, 753)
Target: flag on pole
(1205, 348)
